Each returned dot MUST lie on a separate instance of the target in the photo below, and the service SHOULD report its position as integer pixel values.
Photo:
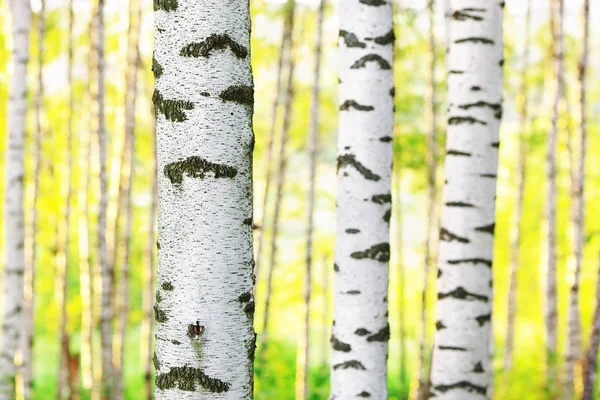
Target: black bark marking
(386, 139)
(461, 294)
(157, 245)
(241, 94)
(374, 3)
(196, 167)
(247, 221)
(387, 216)
(155, 362)
(204, 94)
(362, 62)
(171, 109)
(455, 72)
(496, 145)
(353, 292)
(378, 252)
(245, 297)
(459, 204)
(464, 14)
(388, 38)
(458, 153)
(156, 68)
(382, 336)
(493, 176)
(476, 88)
(487, 229)
(339, 345)
(472, 261)
(186, 378)
(352, 231)
(350, 160)
(465, 120)
(439, 325)
(483, 319)
(352, 364)
(474, 39)
(382, 198)
(194, 331)
(351, 39)
(465, 385)
(362, 332)
(501, 63)
(496, 107)
(447, 236)
(452, 348)
(336, 268)
(166, 5)
(249, 309)
(168, 286)
(348, 104)
(364, 394)
(214, 42)
(159, 315)
(478, 368)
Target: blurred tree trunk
(284, 49)
(63, 238)
(28, 337)
(398, 214)
(325, 338)
(204, 344)
(362, 251)
(303, 389)
(126, 182)
(464, 286)
(592, 357)
(281, 169)
(13, 322)
(73, 374)
(515, 240)
(431, 117)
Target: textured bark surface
(589, 381)
(515, 239)
(461, 358)
(204, 100)
(362, 250)
(14, 224)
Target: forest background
(275, 378)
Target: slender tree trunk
(29, 292)
(287, 118)
(515, 241)
(592, 357)
(204, 343)
(431, 117)
(325, 338)
(401, 278)
(362, 251)
(461, 357)
(285, 47)
(303, 389)
(14, 224)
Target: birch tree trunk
(287, 118)
(398, 213)
(29, 276)
(461, 358)
(515, 241)
(431, 116)
(362, 251)
(589, 381)
(13, 322)
(204, 100)
(302, 391)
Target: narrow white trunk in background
(589, 379)
(203, 100)
(362, 251)
(461, 368)
(14, 224)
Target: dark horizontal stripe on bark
(348, 104)
(352, 292)
(156, 68)
(472, 261)
(196, 167)
(374, 3)
(352, 364)
(204, 94)
(362, 332)
(447, 236)
(159, 315)
(378, 252)
(478, 368)
(466, 13)
(455, 72)
(459, 204)
(494, 176)
(474, 39)
(465, 120)
(382, 198)
(458, 153)
(214, 42)
(338, 345)
(387, 216)
(483, 319)
(439, 325)
(352, 231)
(461, 294)
(362, 62)
(464, 385)
(386, 139)
(382, 336)
(496, 144)
(168, 286)
(364, 394)
(165, 5)
(350, 160)
(171, 109)
(486, 229)
(452, 348)
(351, 39)
(476, 88)
(496, 107)
(186, 378)
(388, 38)
(241, 94)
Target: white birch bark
(203, 100)
(515, 240)
(589, 379)
(362, 250)
(461, 367)
(14, 223)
